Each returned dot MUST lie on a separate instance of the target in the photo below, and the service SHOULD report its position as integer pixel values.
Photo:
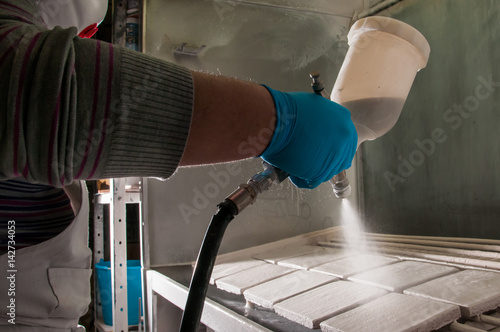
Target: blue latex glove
(314, 138)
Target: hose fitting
(246, 194)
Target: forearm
(232, 120)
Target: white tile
(396, 277)
(225, 269)
(318, 257)
(348, 266)
(275, 255)
(282, 288)
(473, 290)
(394, 312)
(239, 282)
(312, 307)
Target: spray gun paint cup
(383, 59)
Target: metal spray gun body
(340, 182)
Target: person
(75, 109)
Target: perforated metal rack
(117, 199)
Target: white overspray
(355, 239)
(353, 230)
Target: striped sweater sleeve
(73, 108)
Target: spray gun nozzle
(341, 186)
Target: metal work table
(223, 311)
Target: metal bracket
(182, 49)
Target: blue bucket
(134, 290)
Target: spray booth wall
(272, 45)
(437, 171)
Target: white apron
(52, 279)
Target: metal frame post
(118, 248)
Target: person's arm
(83, 109)
(232, 120)
(306, 135)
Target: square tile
(282, 288)
(398, 276)
(225, 269)
(395, 313)
(318, 257)
(239, 282)
(348, 266)
(277, 254)
(474, 291)
(313, 307)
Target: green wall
(437, 171)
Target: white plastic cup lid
(393, 27)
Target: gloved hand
(314, 138)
